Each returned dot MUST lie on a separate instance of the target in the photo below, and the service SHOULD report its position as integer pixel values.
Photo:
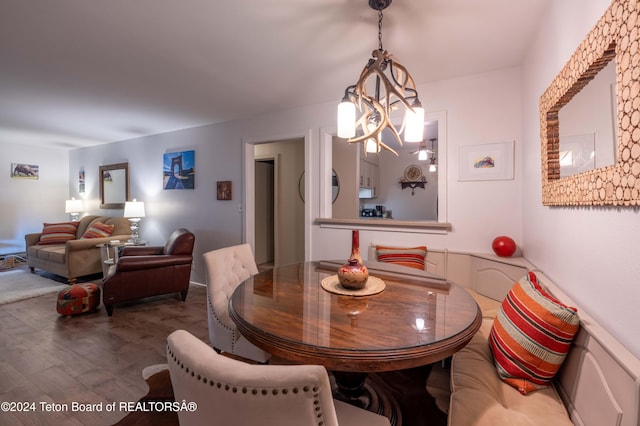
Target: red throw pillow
(531, 335)
(412, 257)
(98, 230)
(58, 233)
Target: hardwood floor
(92, 359)
(89, 358)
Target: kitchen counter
(379, 222)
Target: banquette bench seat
(479, 397)
(598, 383)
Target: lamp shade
(73, 206)
(134, 208)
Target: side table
(109, 254)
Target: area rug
(19, 284)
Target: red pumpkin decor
(504, 246)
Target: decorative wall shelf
(412, 185)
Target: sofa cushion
(480, 398)
(487, 305)
(531, 335)
(98, 230)
(58, 233)
(412, 257)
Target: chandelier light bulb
(346, 119)
(371, 146)
(414, 125)
(422, 155)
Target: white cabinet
(369, 176)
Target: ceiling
(75, 73)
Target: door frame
(311, 209)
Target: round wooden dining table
(417, 319)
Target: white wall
(592, 253)
(344, 160)
(217, 158)
(480, 109)
(27, 203)
(422, 205)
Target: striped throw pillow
(412, 257)
(58, 233)
(98, 230)
(531, 335)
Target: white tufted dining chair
(231, 392)
(226, 268)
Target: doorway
(265, 188)
(279, 211)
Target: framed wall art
(224, 191)
(492, 161)
(179, 170)
(81, 183)
(25, 171)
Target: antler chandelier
(393, 87)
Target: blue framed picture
(179, 170)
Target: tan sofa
(75, 258)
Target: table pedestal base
(355, 389)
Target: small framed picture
(492, 161)
(224, 190)
(24, 171)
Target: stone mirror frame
(616, 36)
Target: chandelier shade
(384, 86)
(432, 166)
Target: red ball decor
(504, 246)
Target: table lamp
(74, 208)
(134, 211)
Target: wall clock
(413, 173)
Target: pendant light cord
(380, 30)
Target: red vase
(355, 246)
(353, 275)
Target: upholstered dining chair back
(231, 392)
(225, 269)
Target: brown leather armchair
(150, 271)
